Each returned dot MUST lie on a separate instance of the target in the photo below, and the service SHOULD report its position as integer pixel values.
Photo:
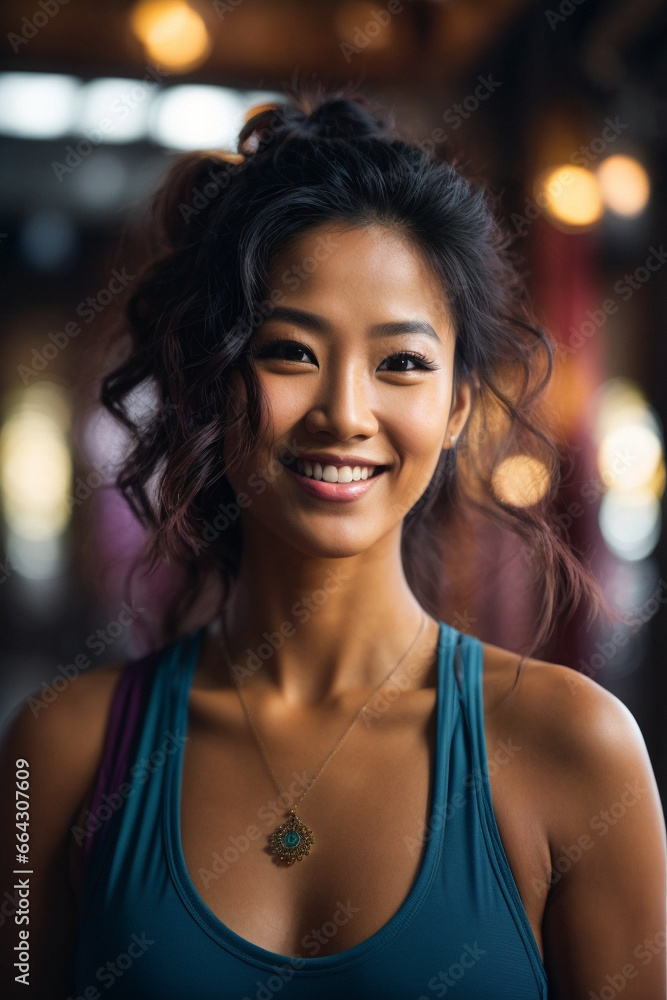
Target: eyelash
(421, 359)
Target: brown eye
(284, 349)
(422, 362)
(287, 350)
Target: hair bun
(329, 116)
(346, 118)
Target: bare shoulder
(62, 740)
(67, 718)
(585, 750)
(568, 717)
(594, 755)
(590, 779)
(58, 744)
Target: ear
(459, 412)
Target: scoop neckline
(221, 932)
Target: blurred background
(559, 108)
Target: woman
(327, 790)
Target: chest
(369, 813)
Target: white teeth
(333, 474)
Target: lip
(334, 491)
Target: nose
(344, 405)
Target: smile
(334, 483)
(336, 474)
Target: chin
(329, 542)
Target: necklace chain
(254, 728)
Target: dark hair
(219, 220)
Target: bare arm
(606, 913)
(61, 743)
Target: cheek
(419, 419)
(286, 401)
(418, 428)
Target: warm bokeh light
(570, 195)
(624, 185)
(35, 477)
(630, 522)
(520, 480)
(632, 467)
(629, 455)
(172, 33)
(629, 437)
(35, 473)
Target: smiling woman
(341, 353)
(244, 246)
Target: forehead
(364, 274)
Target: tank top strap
(179, 661)
(161, 735)
(458, 665)
(122, 733)
(448, 702)
(471, 663)
(468, 671)
(140, 737)
(468, 674)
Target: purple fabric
(127, 710)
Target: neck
(310, 630)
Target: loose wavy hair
(218, 221)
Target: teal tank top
(144, 932)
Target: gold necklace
(292, 840)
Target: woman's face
(341, 385)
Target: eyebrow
(318, 324)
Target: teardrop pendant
(291, 841)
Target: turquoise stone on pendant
(291, 841)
